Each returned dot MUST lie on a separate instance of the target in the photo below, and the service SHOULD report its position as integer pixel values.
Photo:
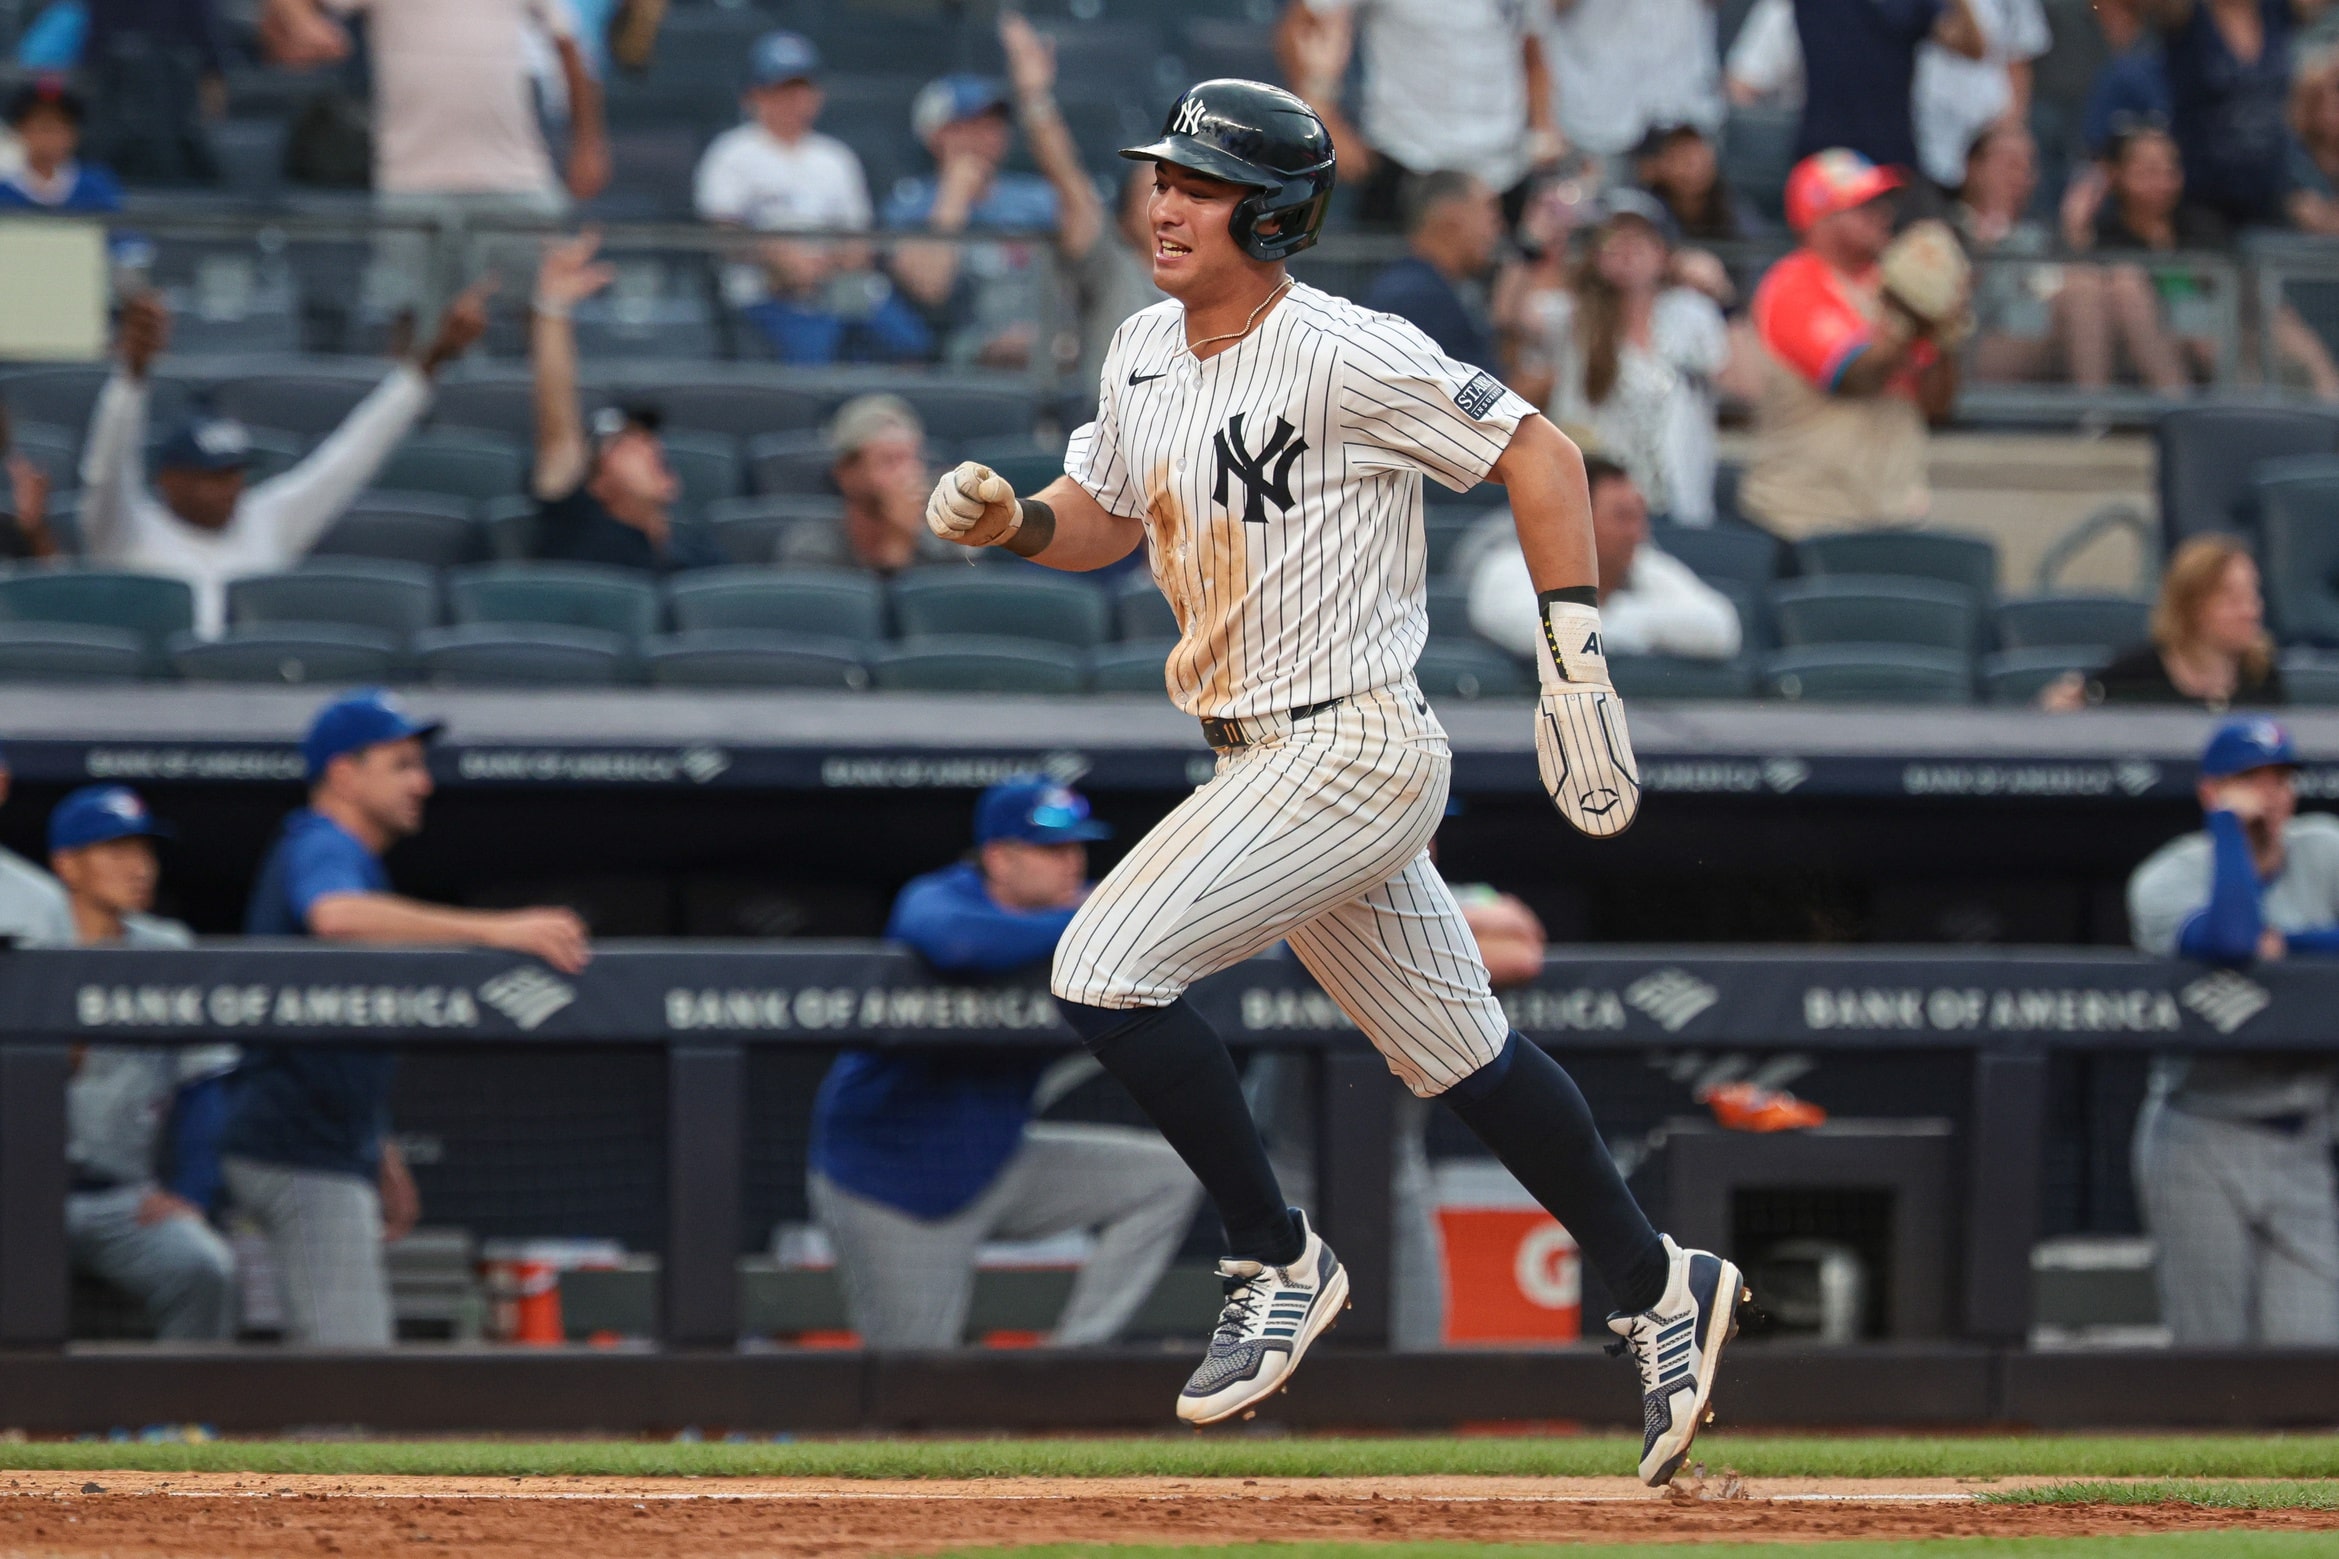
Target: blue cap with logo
(782, 56)
(96, 813)
(366, 718)
(206, 444)
(2254, 742)
(1036, 810)
(947, 99)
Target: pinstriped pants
(1317, 833)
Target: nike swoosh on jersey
(1138, 378)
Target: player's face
(388, 783)
(1021, 875)
(1194, 251)
(115, 875)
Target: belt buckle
(1223, 734)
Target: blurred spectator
(881, 469)
(2228, 69)
(604, 494)
(1765, 64)
(1449, 86)
(776, 171)
(24, 501)
(46, 117)
(1650, 602)
(986, 298)
(155, 70)
(2132, 88)
(1632, 353)
(824, 304)
(1849, 378)
(456, 135)
(201, 523)
(33, 907)
(1677, 164)
(2233, 1150)
(54, 36)
(1453, 226)
(2313, 200)
(308, 1144)
(1956, 96)
(1860, 69)
(2209, 641)
(2032, 321)
(142, 1125)
(1620, 68)
(919, 1157)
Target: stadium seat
(568, 595)
(2019, 676)
(830, 603)
(505, 655)
(1673, 676)
(1722, 551)
(298, 653)
(978, 663)
(955, 413)
(748, 530)
(425, 528)
(1864, 609)
(498, 405)
(2308, 678)
(55, 450)
(1442, 530)
(790, 463)
(1758, 149)
(1137, 666)
(1944, 556)
(509, 525)
(1142, 611)
(1870, 673)
(1028, 466)
(63, 652)
(474, 467)
(751, 657)
(2298, 548)
(310, 404)
(1448, 600)
(66, 396)
(2208, 456)
(1217, 46)
(744, 408)
(397, 599)
(1470, 668)
(707, 465)
(151, 606)
(871, 40)
(1016, 603)
(666, 326)
(2043, 621)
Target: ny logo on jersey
(1260, 489)
(1189, 121)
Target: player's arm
(555, 935)
(1061, 526)
(1551, 503)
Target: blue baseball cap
(782, 56)
(206, 444)
(1036, 811)
(96, 813)
(947, 99)
(366, 718)
(2255, 742)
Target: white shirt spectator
(1956, 98)
(453, 110)
(1766, 58)
(752, 177)
(1661, 608)
(1620, 68)
(1658, 418)
(1445, 82)
(274, 524)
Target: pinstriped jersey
(1280, 486)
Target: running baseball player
(1268, 441)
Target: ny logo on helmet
(1189, 120)
(1260, 489)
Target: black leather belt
(1223, 734)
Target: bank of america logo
(1671, 996)
(527, 995)
(2226, 1000)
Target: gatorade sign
(1512, 1275)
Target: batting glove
(974, 506)
(1581, 745)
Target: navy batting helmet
(1249, 133)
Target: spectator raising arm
(1313, 50)
(1031, 71)
(113, 463)
(568, 276)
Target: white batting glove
(1581, 745)
(974, 506)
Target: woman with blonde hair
(2209, 642)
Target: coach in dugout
(308, 1145)
(2233, 1150)
(919, 1156)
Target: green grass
(2165, 1545)
(1198, 1456)
(2213, 1495)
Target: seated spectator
(1958, 96)
(2031, 321)
(1453, 226)
(608, 498)
(880, 468)
(33, 906)
(1650, 602)
(142, 1124)
(2209, 642)
(1849, 379)
(1677, 164)
(2233, 1149)
(776, 171)
(201, 523)
(308, 1147)
(821, 307)
(1632, 352)
(985, 299)
(2132, 87)
(2313, 201)
(1859, 62)
(46, 117)
(2228, 68)
(919, 1157)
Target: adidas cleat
(1677, 1345)
(1270, 1317)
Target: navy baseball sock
(1177, 1069)
(1523, 1105)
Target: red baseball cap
(1834, 180)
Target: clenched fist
(974, 506)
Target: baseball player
(1267, 442)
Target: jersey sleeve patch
(1477, 397)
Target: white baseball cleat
(1270, 1317)
(1677, 1343)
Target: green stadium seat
(1722, 551)
(742, 409)
(1866, 609)
(510, 655)
(1142, 611)
(957, 413)
(2048, 621)
(429, 529)
(2019, 676)
(1027, 467)
(707, 465)
(2207, 457)
(474, 467)
(1943, 556)
(1010, 603)
(498, 404)
(289, 653)
(751, 657)
(392, 598)
(831, 603)
(66, 395)
(748, 530)
(1870, 673)
(1448, 600)
(1677, 677)
(1470, 668)
(63, 652)
(308, 404)
(567, 595)
(790, 463)
(1135, 666)
(149, 605)
(2298, 529)
(2311, 679)
(978, 663)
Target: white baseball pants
(1317, 832)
